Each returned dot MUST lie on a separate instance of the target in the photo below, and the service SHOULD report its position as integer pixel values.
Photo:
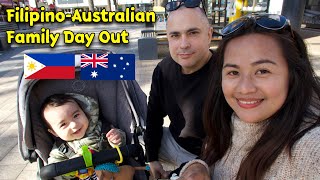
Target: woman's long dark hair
(284, 127)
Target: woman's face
(255, 77)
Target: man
(178, 89)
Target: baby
(75, 126)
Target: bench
(5, 26)
(151, 40)
(311, 18)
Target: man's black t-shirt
(181, 97)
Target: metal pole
(293, 10)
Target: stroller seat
(121, 103)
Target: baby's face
(68, 121)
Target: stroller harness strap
(87, 156)
(67, 150)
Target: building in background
(69, 5)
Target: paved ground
(12, 166)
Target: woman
(262, 117)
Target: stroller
(121, 103)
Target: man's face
(189, 37)
(68, 121)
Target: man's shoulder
(166, 68)
(167, 63)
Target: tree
(115, 4)
(91, 5)
(109, 5)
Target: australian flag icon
(107, 67)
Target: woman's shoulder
(307, 147)
(306, 155)
(310, 139)
(314, 132)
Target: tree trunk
(91, 5)
(115, 5)
(109, 5)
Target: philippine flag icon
(49, 66)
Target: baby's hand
(114, 136)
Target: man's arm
(154, 124)
(155, 116)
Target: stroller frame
(32, 134)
